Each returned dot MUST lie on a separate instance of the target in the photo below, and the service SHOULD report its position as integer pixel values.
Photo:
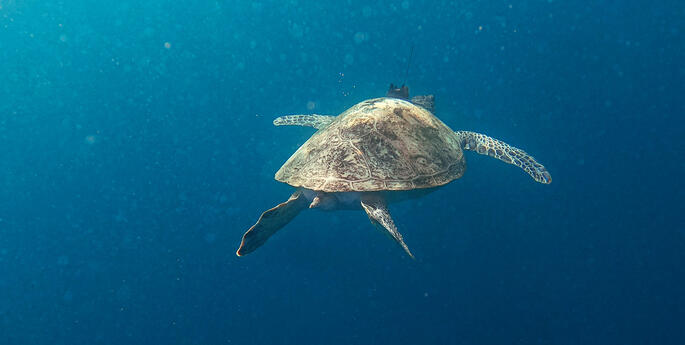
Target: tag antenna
(406, 71)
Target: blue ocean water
(136, 147)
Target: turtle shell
(379, 144)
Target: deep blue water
(136, 147)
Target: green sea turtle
(379, 151)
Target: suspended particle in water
(349, 59)
(63, 260)
(210, 237)
(167, 45)
(367, 11)
(360, 37)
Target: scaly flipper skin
(427, 102)
(486, 145)
(377, 210)
(314, 120)
(271, 221)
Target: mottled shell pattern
(379, 144)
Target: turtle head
(398, 92)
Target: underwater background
(137, 146)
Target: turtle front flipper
(271, 221)
(377, 210)
(486, 145)
(314, 120)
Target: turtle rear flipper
(377, 210)
(486, 145)
(271, 221)
(313, 120)
(425, 101)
